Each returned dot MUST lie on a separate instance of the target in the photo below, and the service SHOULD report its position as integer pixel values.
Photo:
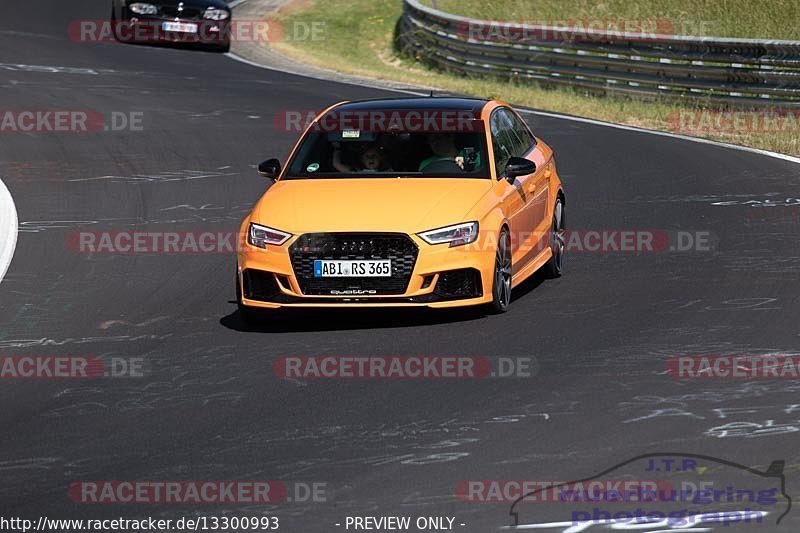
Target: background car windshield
(360, 154)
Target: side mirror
(270, 169)
(519, 166)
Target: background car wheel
(114, 23)
(114, 30)
(501, 286)
(554, 267)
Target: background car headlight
(143, 9)
(457, 235)
(261, 236)
(216, 14)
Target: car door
(515, 197)
(537, 188)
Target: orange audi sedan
(437, 202)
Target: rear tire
(501, 284)
(555, 266)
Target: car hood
(406, 205)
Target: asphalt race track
(210, 407)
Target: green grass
(358, 40)
(773, 19)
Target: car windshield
(365, 154)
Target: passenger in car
(372, 160)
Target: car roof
(475, 105)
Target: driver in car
(444, 148)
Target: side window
(526, 138)
(504, 139)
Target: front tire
(501, 286)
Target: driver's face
(442, 144)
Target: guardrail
(749, 72)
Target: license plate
(181, 27)
(352, 269)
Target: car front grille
(186, 13)
(397, 247)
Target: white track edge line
(712, 142)
(9, 228)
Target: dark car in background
(205, 23)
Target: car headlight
(143, 9)
(457, 235)
(216, 14)
(261, 236)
